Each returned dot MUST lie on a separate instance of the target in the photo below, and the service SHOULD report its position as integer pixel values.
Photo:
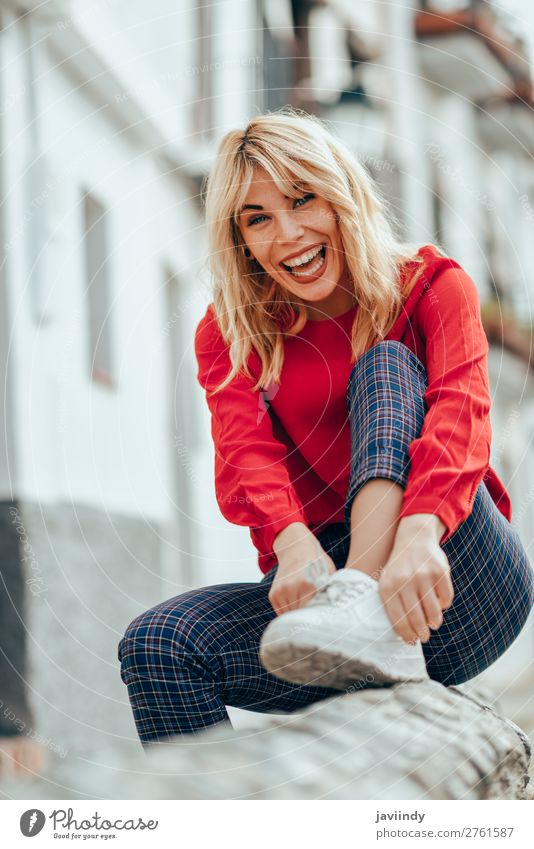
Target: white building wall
(407, 120)
(78, 441)
(108, 422)
(235, 64)
(163, 42)
(454, 149)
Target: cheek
(260, 244)
(327, 224)
(335, 236)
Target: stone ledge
(410, 741)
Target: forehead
(260, 183)
(263, 187)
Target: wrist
(417, 522)
(293, 536)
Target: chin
(313, 297)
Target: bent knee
(153, 639)
(382, 353)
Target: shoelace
(338, 593)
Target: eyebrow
(250, 206)
(255, 205)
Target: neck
(323, 313)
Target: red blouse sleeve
(450, 457)
(252, 483)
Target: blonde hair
(251, 309)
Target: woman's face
(297, 242)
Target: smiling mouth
(311, 267)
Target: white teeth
(303, 258)
(315, 267)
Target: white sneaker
(342, 636)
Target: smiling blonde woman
(346, 376)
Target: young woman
(346, 376)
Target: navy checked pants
(185, 659)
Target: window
(96, 259)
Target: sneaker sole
(311, 666)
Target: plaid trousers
(185, 659)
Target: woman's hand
(415, 584)
(292, 586)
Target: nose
(288, 228)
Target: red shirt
(291, 462)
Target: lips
(302, 252)
(315, 253)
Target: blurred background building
(110, 117)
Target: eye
(305, 199)
(257, 218)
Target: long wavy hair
(252, 310)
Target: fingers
(278, 601)
(431, 605)
(397, 614)
(415, 615)
(305, 594)
(413, 608)
(290, 595)
(444, 589)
